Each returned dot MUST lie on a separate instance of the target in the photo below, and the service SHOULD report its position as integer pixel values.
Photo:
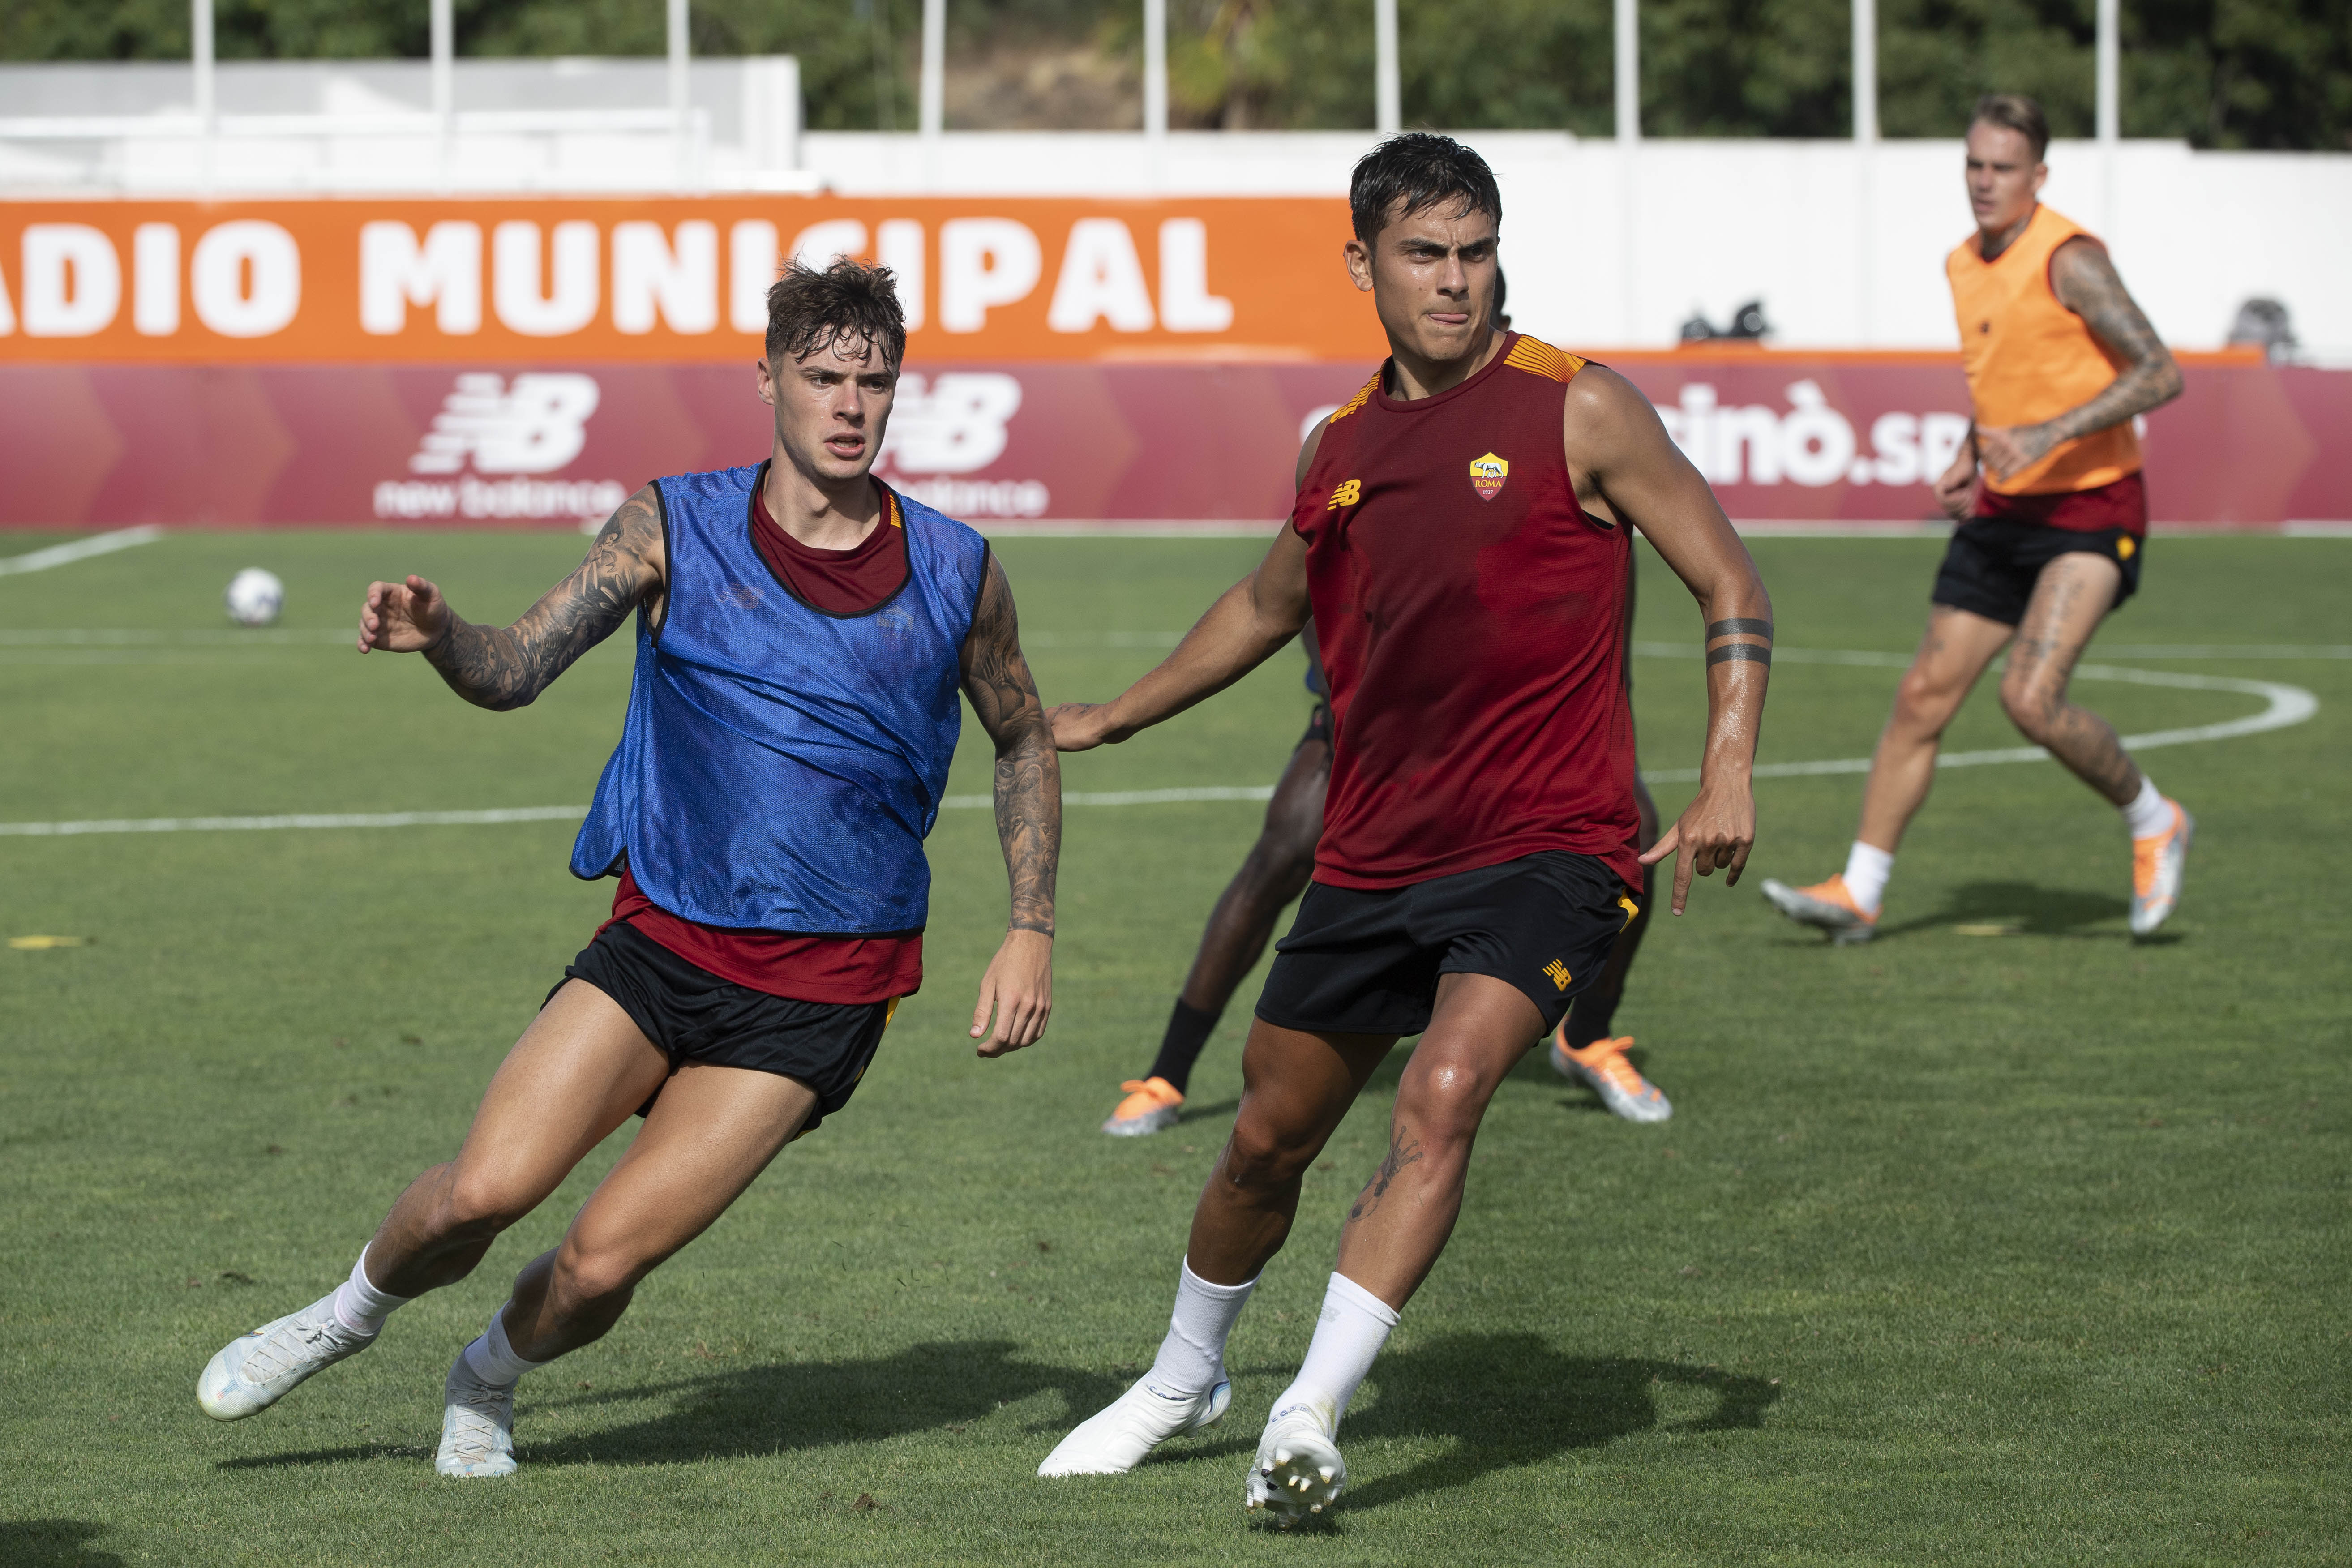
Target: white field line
(340, 637)
(2283, 706)
(81, 550)
(1127, 797)
(266, 824)
(193, 637)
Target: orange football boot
(1151, 1106)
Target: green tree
(2219, 73)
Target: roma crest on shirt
(1488, 474)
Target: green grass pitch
(2028, 1247)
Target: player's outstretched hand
(403, 617)
(1717, 830)
(1083, 726)
(1018, 990)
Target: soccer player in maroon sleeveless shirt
(1277, 869)
(1459, 535)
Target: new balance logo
(1350, 492)
(955, 425)
(535, 425)
(1557, 972)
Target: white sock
(1866, 870)
(1192, 1357)
(360, 1305)
(2149, 813)
(492, 1359)
(1354, 1324)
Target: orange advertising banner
(668, 278)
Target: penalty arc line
(81, 550)
(2285, 706)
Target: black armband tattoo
(1736, 628)
(1740, 653)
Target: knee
(1283, 858)
(1261, 1156)
(1441, 1108)
(475, 1203)
(2032, 705)
(587, 1275)
(1923, 704)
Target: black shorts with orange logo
(1367, 961)
(1996, 557)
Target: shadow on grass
(1511, 1399)
(53, 1543)
(2022, 910)
(782, 1405)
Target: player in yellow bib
(2053, 523)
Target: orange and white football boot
(1151, 1106)
(1825, 906)
(2158, 861)
(1602, 1067)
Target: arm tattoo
(1028, 771)
(1740, 652)
(2085, 282)
(503, 669)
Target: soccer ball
(253, 597)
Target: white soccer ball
(253, 597)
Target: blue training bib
(782, 766)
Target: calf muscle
(2070, 599)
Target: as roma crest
(1487, 476)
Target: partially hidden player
(2053, 515)
(803, 632)
(1277, 869)
(1460, 534)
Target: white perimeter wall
(1844, 246)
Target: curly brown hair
(848, 304)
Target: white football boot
(476, 1425)
(1299, 1470)
(256, 1371)
(1114, 1439)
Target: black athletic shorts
(1991, 564)
(1363, 962)
(695, 1017)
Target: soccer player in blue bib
(803, 632)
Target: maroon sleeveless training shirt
(1471, 619)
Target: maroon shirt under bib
(1471, 618)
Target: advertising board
(529, 362)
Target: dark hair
(2014, 111)
(1422, 170)
(1501, 316)
(849, 303)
